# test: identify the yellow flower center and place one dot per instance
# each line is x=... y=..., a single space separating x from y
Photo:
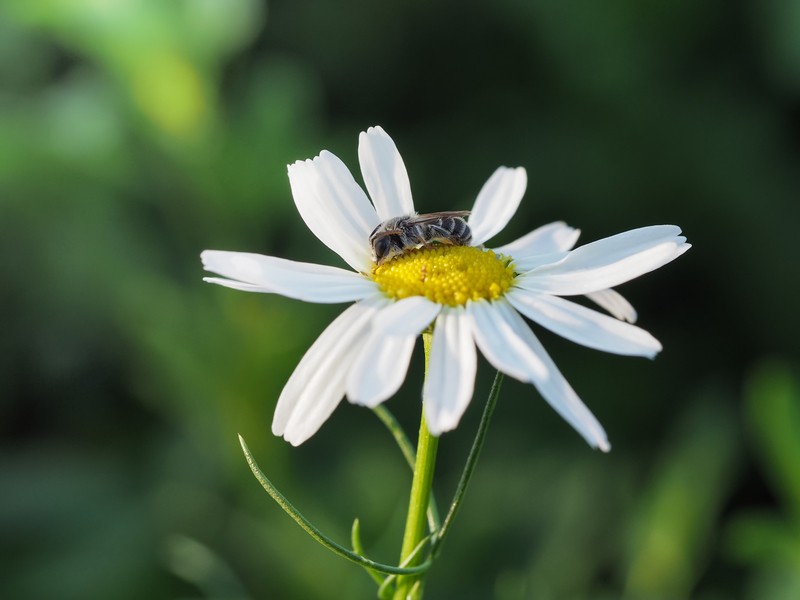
x=446 y=274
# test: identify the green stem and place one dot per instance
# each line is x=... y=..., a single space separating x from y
x=469 y=467
x=407 y=449
x=410 y=587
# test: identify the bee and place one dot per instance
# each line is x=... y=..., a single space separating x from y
x=395 y=236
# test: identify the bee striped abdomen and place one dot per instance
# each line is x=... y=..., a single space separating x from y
x=452 y=231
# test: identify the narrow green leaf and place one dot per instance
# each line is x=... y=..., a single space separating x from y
x=358 y=548
x=315 y=533
x=469 y=467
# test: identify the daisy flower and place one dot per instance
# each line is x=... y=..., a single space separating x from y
x=473 y=296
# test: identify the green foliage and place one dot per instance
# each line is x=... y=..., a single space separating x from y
x=673 y=525
x=134 y=134
x=766 y=540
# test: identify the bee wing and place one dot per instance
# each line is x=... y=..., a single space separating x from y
x=386 y=232
x=431 y=217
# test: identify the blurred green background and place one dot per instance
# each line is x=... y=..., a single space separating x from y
x=136 y=133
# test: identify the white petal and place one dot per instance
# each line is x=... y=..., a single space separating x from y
x=614 y=303
x=543 y=246
x=384 y=174
x=547 y=239
x=303 y=281
x=583 y=325
x=523 y=265
x=510 y=346
x=505 y=348
x=318 y=383
x=382 y=363
x=334 y=207
x=608 y=262
x=379 y=369
x=451 y=371
x=409 y=316
x=496 y=203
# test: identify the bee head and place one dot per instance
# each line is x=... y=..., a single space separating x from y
x=381 y=248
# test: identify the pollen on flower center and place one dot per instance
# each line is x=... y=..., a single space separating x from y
x=446 y=274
